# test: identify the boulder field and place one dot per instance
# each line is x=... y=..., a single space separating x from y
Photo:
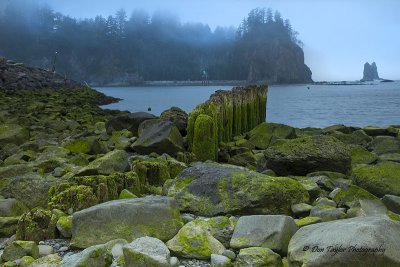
x=85 y=186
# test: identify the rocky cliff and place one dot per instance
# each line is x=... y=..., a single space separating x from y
x=370 y=72
x=278 y=62
x=17 y=76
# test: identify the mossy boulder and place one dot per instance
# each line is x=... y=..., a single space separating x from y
x=351 y=196
x=358 y=137
x=19 y=249
x=8 y=226
x=204 y=138
x=339 y=128
x=212 y=189
x=114 y=161
x=385 y=144
x=178 y=117
x=93 y=256
x=257 y=256
x=121 y=139
x=151 y=171
x=31 y=189
x=360 y=155
x=37 y=225
x=153 y=216
x=85 y=191
x=160 y=137
x=308 y=220
x=146 y=251
x=380 y=179
x=194 y=240
x=130 y=121
x=88 y=145
x=269 y=231
x=376 y=131
x=13 y=134
x=308 y=154
x=392 y=203
x=11 y=207
x=395 y=157
x=64 y=226
x=75 y=197
x=265 y=134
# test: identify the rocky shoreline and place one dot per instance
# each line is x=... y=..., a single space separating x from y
x=83 y=186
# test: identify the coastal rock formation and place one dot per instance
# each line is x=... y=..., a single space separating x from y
x=225 y=115
x=370 y=72
x=17 y=75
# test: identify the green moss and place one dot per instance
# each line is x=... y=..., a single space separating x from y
x=204 y=138
x=64 y=225
x=36 y=225
x=380 y=179
x=360 y=155
x=393 y=216
x=152 y=172
x=351 y=196
x=76 y=197
x=308 y=220
x=79 y=146
x=126 y=194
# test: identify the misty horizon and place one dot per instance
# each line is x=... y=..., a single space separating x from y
x=338 y=38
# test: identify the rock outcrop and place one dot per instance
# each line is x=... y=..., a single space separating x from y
x=17 y=76
x=370 y=72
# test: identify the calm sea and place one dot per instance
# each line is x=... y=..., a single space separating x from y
x=295 y=105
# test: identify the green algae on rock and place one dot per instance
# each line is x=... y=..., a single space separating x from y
x=212 y=189
x=308 y=154
x=263 y=135
x=380 y=179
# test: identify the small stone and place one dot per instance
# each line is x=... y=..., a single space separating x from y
x=229 y=253
x=63 y=249
x=45 y=250
x=174 y=262
x=220 y=261
x=301 y=209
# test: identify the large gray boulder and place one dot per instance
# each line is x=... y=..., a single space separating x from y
x=269 y=231
x=129 y=219
x=178 y=117
x=93 y=256
x=146 y=251
x=357 y=242
x=112 y=162
x=212 y=189
x=130 y=121
x=159 y=136
x=307 y=154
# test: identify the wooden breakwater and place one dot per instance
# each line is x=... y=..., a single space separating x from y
x=224 y=115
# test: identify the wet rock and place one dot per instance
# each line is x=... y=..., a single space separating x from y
x=153 y=216
x=212 y=189
x=130 y=121
x=308 y=154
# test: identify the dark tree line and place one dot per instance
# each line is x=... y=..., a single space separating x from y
x=137 y=47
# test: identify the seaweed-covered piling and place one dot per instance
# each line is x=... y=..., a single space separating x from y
x=229 y=113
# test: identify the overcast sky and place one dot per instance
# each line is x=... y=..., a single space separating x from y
x=339 y=36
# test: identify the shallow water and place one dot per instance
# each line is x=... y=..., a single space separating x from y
x=295 y=105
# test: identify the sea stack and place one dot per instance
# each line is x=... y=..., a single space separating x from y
x=370 y=72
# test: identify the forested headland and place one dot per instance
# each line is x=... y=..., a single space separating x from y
x=129 y=48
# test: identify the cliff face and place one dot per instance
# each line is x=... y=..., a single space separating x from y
x=17 y=76
x=278 y=62
x=370 y=72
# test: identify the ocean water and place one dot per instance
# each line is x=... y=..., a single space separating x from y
x=295 y=105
